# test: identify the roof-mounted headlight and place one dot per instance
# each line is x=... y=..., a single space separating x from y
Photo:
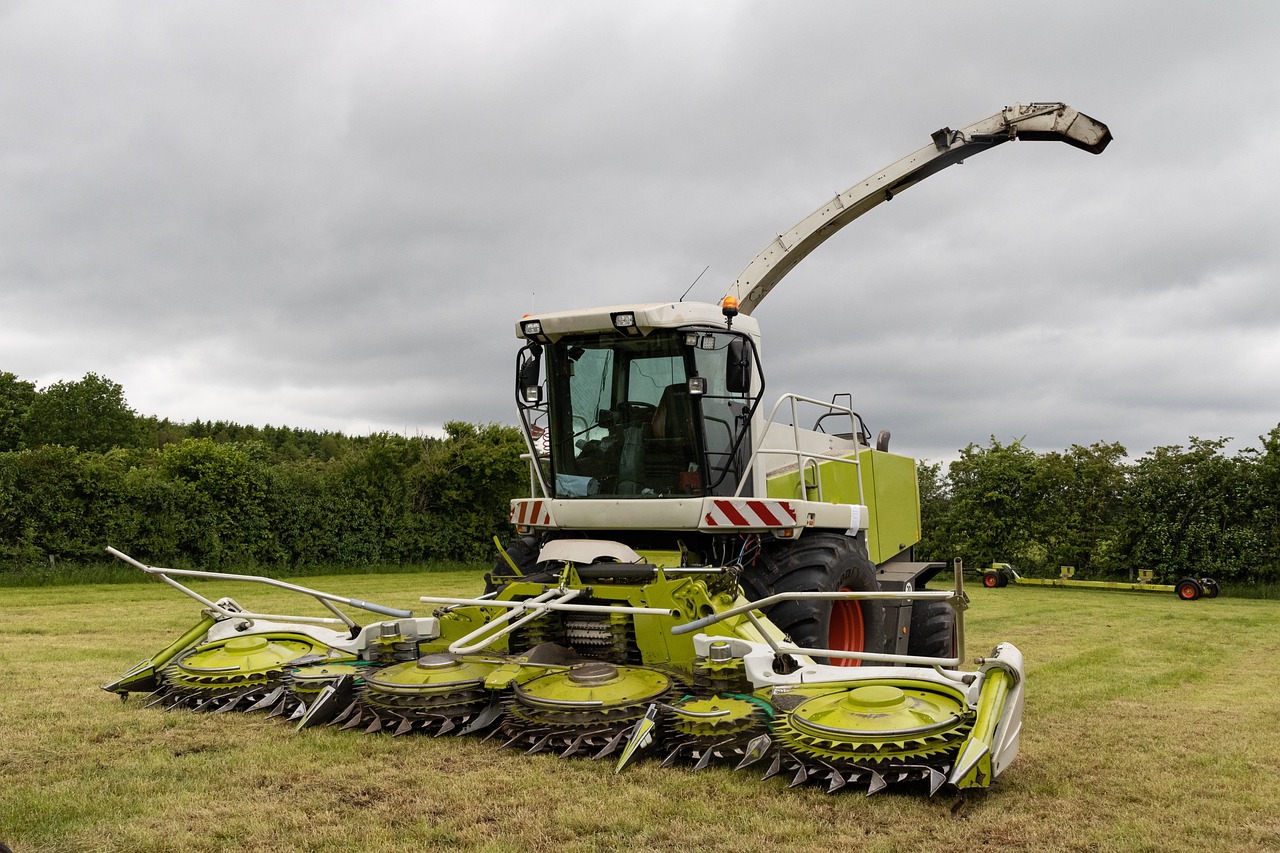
x=531 y=330
x=625 y=322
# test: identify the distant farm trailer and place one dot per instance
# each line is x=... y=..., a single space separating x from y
x=1187 y=589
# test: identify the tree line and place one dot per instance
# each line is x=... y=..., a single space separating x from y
x=79 y=469
x=1177 y=510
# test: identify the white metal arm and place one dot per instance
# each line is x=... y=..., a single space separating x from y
x=215 y=608
x=1038 y=121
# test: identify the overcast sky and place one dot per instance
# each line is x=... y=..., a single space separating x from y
x=330 y=215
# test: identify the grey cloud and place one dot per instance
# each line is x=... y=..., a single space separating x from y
x=331 y=215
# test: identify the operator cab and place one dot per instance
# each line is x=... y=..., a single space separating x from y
x=651 y=413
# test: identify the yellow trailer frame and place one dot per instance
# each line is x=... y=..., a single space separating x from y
x=1187 y=589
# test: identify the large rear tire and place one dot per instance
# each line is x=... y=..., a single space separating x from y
x=820 y=562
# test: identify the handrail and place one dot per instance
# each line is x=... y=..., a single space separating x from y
x=802 y=457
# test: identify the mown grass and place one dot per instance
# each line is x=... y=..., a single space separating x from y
x=1149 y=725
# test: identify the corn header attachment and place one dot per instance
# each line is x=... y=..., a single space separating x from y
x=595 y=656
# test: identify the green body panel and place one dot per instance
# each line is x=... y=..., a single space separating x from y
x=890 y=492
x=973 y=766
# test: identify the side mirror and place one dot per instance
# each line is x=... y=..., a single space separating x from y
x=737 y=378
x=527 y=379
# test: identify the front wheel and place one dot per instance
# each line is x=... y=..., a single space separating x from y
x=1189 y=589
x=991 y=580
x=933 y=629
x=820 y=562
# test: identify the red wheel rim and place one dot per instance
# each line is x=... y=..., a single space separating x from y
x=1187 y=591
x=990 y=581
x=846 y=631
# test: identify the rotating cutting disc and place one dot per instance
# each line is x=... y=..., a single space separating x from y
x=438 y=693
x=876 y=722
x=436 y=673
x=595 y=686
x=588 y=708
x=232 y=674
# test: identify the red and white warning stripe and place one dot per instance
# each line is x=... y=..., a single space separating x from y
x=750 y=513
x=529 y=513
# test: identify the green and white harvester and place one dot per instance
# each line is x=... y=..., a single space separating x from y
x=694 y=578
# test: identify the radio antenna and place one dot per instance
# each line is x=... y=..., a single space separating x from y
x=695 y=281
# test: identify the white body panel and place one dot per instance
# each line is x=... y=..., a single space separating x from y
x=711 y=514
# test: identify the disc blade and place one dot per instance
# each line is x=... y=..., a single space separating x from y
x=267 y=701
x=228 y=706
x=326 y=706
x=774 y=768
x=486 y=718
x=802 y=776
x=757 y=749
x=346 y=712
x=642 y=737
x=612 y=746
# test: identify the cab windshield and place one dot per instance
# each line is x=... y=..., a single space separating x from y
x=625 y=419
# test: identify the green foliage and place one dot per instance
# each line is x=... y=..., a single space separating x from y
x=1078 y=505
x=470 y=478
x=16 y=397
x=80 y=470
x=1192 y=511
x=935 y=506
x=1178 y=511
x=992 y=499
x=90 y=414
x=199 y=503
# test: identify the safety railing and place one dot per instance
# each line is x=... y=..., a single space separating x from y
x=805 y=460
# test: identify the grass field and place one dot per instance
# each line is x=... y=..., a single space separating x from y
x=1151 y=724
